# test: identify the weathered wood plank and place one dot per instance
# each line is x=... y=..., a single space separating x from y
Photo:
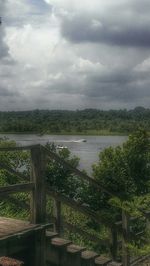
x=5 y=261
x=76 y=206
x=20 y=203
x=12 y=171
x=86 y=235
x=38 y=201
x=10 y=227
x=18 y=148
x=40 y=247
x=125 y=239
x=114 y=243
x=102 y=261
x=16 y=188
x=57 y=217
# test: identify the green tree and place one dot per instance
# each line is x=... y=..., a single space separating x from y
x=59 y=177
x=124 y=171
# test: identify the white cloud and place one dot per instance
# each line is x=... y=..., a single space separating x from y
x=144 y=66
x=87 y=67
x=84 y=5
x=32 y=45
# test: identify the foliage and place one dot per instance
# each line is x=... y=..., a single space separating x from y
x=136 y=250
x=13 y=206
x=88 y=121
x=18 y=160
x=123 y=171
x=137 y=207
x=59 y=177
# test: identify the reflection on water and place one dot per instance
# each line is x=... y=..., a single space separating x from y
x=87 y=151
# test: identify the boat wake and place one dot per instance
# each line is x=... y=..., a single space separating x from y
x=80 y=140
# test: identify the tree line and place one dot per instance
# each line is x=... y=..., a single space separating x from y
x=88 y=121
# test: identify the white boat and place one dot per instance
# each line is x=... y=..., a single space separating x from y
x=60 y=147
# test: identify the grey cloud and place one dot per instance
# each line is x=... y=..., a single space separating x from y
x=3 y=46
x=80 y=29
x=115 y=87
x=27 y=12
x=124 y=23
x=4 y=92
x=139 y=6
x=118 y=85
x=4 y=50
x=114 y=92
x=125 y=87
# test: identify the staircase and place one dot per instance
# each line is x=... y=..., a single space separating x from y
x=61 y=252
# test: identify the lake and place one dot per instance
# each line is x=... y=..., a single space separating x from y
x=87 y=151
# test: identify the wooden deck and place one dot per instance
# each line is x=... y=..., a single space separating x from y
x=9 y=227
x=22 y=240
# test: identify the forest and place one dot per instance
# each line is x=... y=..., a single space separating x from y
x=88 y=121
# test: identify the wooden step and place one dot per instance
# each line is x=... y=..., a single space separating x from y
x=60 y=242
x=56 y=251
x=73 y=249
x=102 y=261
x=88 y=258
x=113 y=263
x=5 y=261
x=73 y=256
x=49 y=236
x=62 y=252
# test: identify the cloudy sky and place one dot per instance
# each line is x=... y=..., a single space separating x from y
x=74 y=54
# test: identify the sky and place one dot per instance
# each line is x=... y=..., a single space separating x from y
x=74 y=54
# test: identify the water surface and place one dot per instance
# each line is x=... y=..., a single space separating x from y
x=87 y=151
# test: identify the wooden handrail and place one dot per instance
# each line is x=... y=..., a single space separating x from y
x=21 y=203
x=77 y=206
x=16 y=188
x=92 y=181
x=12 y=171
x=18 y=148
x=87 y=235
x=57 y=158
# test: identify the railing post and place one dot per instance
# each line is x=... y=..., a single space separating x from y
x=57 y=216
x=114 y=242
x=38 y=201
x=125 y=239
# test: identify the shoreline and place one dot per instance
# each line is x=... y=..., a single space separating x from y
x=102 y=133
x=90 y=133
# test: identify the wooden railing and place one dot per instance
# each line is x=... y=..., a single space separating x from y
x=35 y=185
x=39 y=189
x=60 y=199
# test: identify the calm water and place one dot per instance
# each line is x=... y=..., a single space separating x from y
x=87 y=151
